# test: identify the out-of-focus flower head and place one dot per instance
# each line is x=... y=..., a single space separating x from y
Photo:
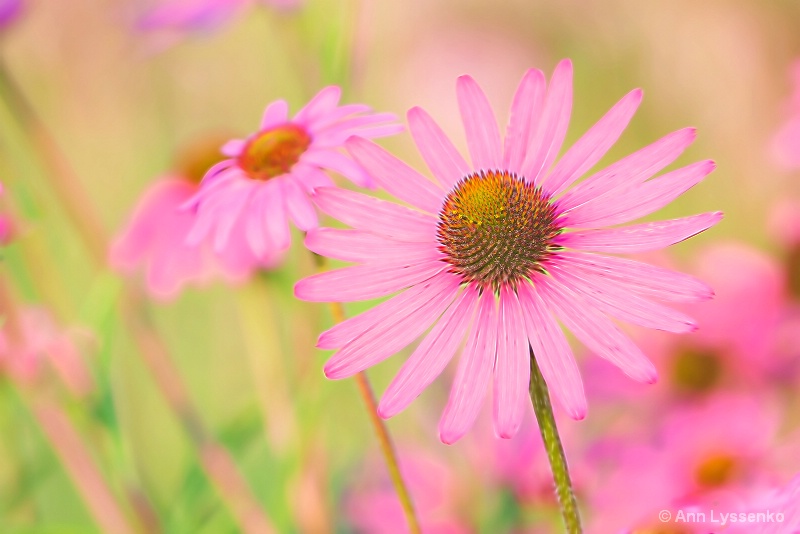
x=155 y=236
x=774 y=511
x=249 y=198
x=34 y=342
x=372 y=506
x=496 y=250
x=786 y=141
x=6 y=225
x=10 y=10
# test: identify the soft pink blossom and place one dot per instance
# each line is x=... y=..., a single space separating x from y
x=267 y=179
x=483 y=254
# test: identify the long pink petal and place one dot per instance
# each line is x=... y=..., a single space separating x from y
x=480 y=125
x=430 y=358
x=254 y=228
x=473 y=375
x=636 y=201
x=553 y=353
x=442 y=158
x=361 y=246
x=553 y=125
x=395 y=176
x=277 y=113
x=649 y=280
x=640 y=237
x=595 y=330
x=395 y=333
x=633 y=169
x=299 y=206
x=338 y=162
x=617 y=302
x=526 y=108
x=398 y=306
x=237 y=198
x=322 y=103
x=512 y=371
x=371 y=214
x=365 y=282
x=594 y=144
x=274 y=215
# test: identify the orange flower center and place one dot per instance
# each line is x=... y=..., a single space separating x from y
x=716 y=470
x=274 y=152
x=495 y=228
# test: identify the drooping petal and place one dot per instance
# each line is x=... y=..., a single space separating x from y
x=442 y=158
x=371 y=214
x=430 y=358
x=595 y=330
x=277 y=113
x=361 y=246
x=633 y=169
x=552 y=353
x=526 y=110
x=274 y=215
x=639 y=237
x=553 y=125
x=615 y=301
x=395 y=176
x=398 y=306
x=299 y=206
x=628 y=204
x=594 y=144
x=388 y=337
x=649 y=280
x=236 y=200
x=473 y=375
x=512 y=369
x=323 y=102
x=365 y=282
x=480 y=125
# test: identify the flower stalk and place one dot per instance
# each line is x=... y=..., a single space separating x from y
x=543 y=409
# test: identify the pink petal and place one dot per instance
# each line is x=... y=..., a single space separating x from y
x=368 y=213
x=439 y=154
x=512 y=371
x=640 y=237
x=614 y=300
x=357 y=245
x=395 y=176
x=633 y=169
x=553 y=125
x=299 y=206
x=277 y=113
x=323 y=102
x=274 y=214
x=237 y=197
x=255 y=230
x=309 y=177
x=595 y=330
x=628 y=204
x=480 y=125
x=594 y=144
x=526 y=110
x=335 y=161
x=430 y=358
x=386 y=312
x=552 y=353
x=365 y=282
x=473 y=375
x=338 y=114
x=233 y=148
x=644 y=278
x=393 y=334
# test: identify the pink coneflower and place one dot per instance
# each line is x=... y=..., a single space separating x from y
x=155 y=237
x=269 y=175
x=498 y=250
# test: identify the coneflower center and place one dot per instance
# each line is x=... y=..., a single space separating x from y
x=274 y=152
x=495 y=228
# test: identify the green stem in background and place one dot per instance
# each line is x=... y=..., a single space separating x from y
x=215 y=459
x=555 y=452
x=384 y=439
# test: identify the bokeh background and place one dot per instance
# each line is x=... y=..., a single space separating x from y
x=118 y=107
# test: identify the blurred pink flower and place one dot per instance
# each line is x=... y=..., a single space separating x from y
x=372 y=506
x=270 y=174
x=10 y=10
x=786 y=141
x=37 y=343
x=201 y=15
x=496 y=229
x=6 y=224
x=776 y=511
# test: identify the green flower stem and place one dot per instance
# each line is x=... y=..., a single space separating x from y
x=555 y=452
